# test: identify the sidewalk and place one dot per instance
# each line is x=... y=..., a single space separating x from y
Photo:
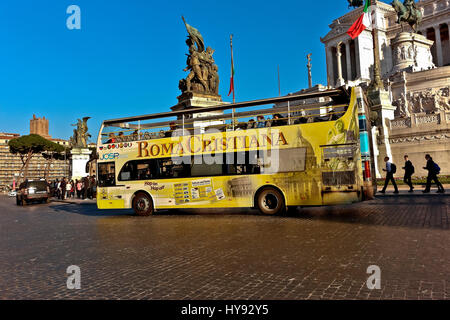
x=403 y=191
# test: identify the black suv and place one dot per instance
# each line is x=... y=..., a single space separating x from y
x=32 y=190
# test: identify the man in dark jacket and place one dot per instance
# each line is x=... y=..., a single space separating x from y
x=85 y=188
x=63 y=188
x=278 y=121
x=432 y=175
x=389 y=176
x=409 y=170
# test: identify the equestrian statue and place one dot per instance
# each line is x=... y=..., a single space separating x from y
x=408 y=12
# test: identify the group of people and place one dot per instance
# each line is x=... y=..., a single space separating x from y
x=175 y=131
x=261 y=122
x=85 y=188
x=431 y=166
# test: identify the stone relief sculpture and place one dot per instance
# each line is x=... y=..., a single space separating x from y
x=398 y=54
x=403 y=53
x=203 y=74
x=411 y=52
x=403 y=110
x=428 y=101
x=80 y=134
x=442 y=99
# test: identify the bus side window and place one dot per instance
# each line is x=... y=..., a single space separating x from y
x=125 y=173
x=138 y=170
x=106 y=174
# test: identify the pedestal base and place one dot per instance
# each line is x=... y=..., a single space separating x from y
x=192 y=100
x=80 y=156
x=412 y=52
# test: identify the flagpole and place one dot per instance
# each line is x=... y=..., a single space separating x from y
x=376 y=84
x=279 y=83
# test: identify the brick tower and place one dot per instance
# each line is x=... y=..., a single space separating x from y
x=39 y=126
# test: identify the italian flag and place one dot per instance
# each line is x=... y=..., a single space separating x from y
x=362 y=23
x=232 y=78
x=232 y=69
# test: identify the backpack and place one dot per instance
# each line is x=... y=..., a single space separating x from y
x=393 y=168
x=436 y=168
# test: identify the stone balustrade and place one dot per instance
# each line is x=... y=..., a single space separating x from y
x=420 y=119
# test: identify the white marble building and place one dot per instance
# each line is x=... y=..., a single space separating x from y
x=351 y=61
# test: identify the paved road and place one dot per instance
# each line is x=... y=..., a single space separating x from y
x=315 y=253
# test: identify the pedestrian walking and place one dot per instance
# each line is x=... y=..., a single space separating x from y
x=85 y=188
x=68 y=189
x=433 y=171
x=79 y=188
x=94 y=186
x=63 y=188
x=58 y=189
x=72 y=191
x=390 y=170
x=409 y=171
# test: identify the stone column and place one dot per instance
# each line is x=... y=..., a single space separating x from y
x=437 y=33
x=340 y=81
x=349 y=61
x=357 y=59
x=330 y=66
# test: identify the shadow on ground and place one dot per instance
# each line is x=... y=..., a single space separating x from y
x=405 y=211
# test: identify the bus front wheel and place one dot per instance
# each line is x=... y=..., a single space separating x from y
x=142 y=204
x=270 y=201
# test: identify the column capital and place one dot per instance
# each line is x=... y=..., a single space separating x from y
x=338 y=49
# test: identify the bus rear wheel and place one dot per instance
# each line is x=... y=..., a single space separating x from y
x=270 y=201
x=142 y=204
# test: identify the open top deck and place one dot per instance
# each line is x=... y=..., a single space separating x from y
x=291 y=109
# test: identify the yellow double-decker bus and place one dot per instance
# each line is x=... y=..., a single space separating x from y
x=301 y=150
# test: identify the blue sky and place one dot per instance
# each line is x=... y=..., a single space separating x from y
x=128 y=56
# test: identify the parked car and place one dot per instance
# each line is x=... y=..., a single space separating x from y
x=12 y=193
x=33 y=190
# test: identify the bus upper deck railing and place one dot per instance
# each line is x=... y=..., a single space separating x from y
x=186 y=119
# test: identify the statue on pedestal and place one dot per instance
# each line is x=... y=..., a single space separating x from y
x=408 y=12
x=80 y=134
x=203 y=74
x=355 y=3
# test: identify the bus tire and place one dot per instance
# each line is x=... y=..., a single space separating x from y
x=270 y=201
x=142 y=204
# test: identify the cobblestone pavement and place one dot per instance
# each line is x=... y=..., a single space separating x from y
x=315 y=253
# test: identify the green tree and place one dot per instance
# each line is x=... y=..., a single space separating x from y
x=53 y=151
x=26 y=147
